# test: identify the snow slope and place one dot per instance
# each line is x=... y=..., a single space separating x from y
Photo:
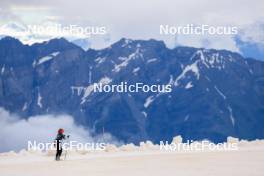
x=143 y=161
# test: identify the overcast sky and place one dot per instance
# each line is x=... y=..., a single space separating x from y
x=140 y=19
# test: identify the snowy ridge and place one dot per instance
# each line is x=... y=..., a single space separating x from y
x=126 y=60
x=231 y=115
x=189 y=68
x=100 y=60
x=126 y=42
x=213 y=59
x=220 y=93
x=145 y=114
x=148 y=101
x=135 y=70
x=3 y=70
x=189 y=85
x=24 y=106
x=46 y=58
x=39 y=100
x=88 y=90
x=152 y=60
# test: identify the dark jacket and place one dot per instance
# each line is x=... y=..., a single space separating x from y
x=58 y=141
x=60 y=137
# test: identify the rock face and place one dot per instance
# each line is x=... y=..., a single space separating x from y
x=215 y=93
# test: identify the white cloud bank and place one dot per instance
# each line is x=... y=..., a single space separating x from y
x=253 y=34
x=139 y=19
x=15 y=132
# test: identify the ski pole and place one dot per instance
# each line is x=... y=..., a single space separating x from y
x=66 y=149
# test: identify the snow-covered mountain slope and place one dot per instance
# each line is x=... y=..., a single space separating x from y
x=215 y=93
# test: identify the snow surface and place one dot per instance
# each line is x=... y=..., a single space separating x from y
x=100 y=60
x=39 y=100
x=55 y=54
x=145 y=114
x=152 y=60
x=3 y=70
x=24 y=107
x=126 y=42
x=44 y=59
x=148 y=101
x=189 y=85
x=146 y=159
x=212 y=60
x=186 y=117
x=193 y=68
x=220 y=93
x=90 y=75
x=126 y=60
x=231 y=115
x=135 y=70
x=47 y=58
x=90 y=88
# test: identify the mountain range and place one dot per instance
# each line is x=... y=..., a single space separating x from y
x=215 y=93
x=26 y=36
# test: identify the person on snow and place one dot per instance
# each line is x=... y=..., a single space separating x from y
x=58 y=142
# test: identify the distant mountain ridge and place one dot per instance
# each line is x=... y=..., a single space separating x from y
x=215 y=93
x=25 y=34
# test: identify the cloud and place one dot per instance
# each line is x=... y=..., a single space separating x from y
x=16 y=132
x=253 y=33
x=6 y=15
x=250 y=40
x=139 y=19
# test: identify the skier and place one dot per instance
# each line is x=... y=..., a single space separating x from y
x=58 y=143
